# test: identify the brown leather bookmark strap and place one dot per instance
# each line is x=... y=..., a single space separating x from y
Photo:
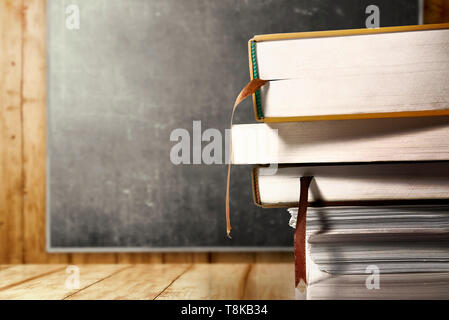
x=300 y=234
x=248 y=90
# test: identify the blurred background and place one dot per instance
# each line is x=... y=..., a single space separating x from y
x=109 y=94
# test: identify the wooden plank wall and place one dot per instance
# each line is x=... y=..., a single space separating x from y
x=23 y=149
x=436 y=11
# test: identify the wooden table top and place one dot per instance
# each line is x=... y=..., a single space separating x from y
x=149 y=281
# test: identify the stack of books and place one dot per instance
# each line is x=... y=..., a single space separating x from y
x=366 y=114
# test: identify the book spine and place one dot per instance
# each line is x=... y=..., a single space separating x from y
x=255 y=75
x=255 y=186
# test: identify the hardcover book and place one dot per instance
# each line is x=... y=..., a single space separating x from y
x=351 y=74
x=343 y=141
x=350 y=183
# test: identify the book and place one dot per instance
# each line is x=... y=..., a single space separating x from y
x=404 y=244
x=367 y=140
x=356 y=127
x=351 y=74
x=399 y=286
x=351 y=183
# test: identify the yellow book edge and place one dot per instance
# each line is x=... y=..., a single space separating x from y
x=340 y=33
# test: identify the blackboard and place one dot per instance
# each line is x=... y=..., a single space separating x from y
x=130 y=73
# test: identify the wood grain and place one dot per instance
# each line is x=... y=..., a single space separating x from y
x=83 y=258
x=154 y=281
x=34 y=133
x=137 y=283
x=274 y=257
x=53 y=285
x=135 y=258
x=270 y=281
x=252 y=257
x=5 y=266
x=436 y=11
x=11 y=220
x=10 y=276
x=206 y=281
x=186 y=257
x=233 y=257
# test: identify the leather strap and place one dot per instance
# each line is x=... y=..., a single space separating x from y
x=300 y=235
x=247 y=91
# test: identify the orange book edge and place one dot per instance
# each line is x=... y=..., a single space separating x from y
x=353 y=202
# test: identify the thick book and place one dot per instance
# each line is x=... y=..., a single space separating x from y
x=384 y=183
x=406 y=247
x=367 y=140
x=351 y=74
